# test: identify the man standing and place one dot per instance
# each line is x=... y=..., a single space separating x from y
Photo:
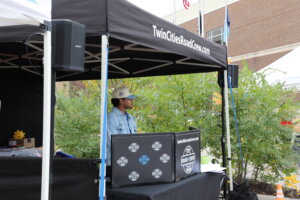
x=119 y=121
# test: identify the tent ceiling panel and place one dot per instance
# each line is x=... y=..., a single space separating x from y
x=125 y=60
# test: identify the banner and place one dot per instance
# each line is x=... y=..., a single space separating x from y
x=226 y=26
x=186 y=4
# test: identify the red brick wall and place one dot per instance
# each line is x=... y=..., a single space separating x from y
x=256 y=25
x=263 y=24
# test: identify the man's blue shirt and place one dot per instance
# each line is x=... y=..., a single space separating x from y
x=118 y=123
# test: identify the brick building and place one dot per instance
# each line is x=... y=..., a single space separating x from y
x=261 y=30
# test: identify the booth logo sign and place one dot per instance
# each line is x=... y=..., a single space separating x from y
x=134 y=176
x=156 y=146
x=157 y=173
x=122 y=161
x=188 y=159
x=164 y=158
x=133 y=147
x=144 y=159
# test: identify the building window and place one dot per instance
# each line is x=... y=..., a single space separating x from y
x=216 y=35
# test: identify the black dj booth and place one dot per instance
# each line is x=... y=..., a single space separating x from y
x=154 y=158
x=160 y=166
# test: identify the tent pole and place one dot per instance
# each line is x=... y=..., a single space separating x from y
x=227 y=128
x=103 y=118
x=46 y=116
x=223 y=138
x=52 y=151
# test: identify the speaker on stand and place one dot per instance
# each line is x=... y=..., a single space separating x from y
x=68 y=45
x=233 y=72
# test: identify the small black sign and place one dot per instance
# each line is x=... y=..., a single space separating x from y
x=187 y=154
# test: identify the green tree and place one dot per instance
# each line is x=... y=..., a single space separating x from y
x=265 y=142
x=77 y=124
x=173 y=103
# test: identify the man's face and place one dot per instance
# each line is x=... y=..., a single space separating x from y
x=127 y=103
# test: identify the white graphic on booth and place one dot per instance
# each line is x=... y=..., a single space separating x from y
x=188 y=159
x=156 y=146
x=134 y=176
x=133 y=147
x=122 y=161
x=164 y=158
x=157 y=173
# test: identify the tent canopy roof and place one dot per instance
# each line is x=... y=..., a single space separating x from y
x=285 y=70
x=24 y=12
x=140 y=43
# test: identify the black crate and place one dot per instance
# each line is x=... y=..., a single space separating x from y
x=142 y=159
x=187 y=154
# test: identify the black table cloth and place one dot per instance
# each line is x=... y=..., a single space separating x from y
x=73 y=179
x=205 y=186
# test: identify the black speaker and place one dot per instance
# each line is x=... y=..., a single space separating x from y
x=233 y=72
x=68 y=45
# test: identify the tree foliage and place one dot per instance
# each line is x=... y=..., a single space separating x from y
x=77 y=124
x=173 y=103
x=265 y=142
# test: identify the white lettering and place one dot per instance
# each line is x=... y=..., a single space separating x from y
x=154 y=29
x=187 y=140
x=178 y=39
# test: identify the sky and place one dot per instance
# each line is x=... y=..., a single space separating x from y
x=160 y=8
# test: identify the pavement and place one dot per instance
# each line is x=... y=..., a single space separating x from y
x=206 y=159
x=267 y=197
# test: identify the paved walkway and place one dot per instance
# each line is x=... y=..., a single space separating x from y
x=267 y=197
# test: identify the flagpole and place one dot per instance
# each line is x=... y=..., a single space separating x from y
x=174 y=11
x=226 y=103
x=225 y=21
x=199 y=19
x=202 y=19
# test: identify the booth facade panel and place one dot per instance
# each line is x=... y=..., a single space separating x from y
x=142 y=158
x=187 y=154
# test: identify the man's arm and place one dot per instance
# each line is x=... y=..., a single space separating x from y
x=111 y=129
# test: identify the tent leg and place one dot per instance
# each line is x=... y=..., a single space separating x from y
x=52 y=151
x=223 y=138
x=103 y=118
x=46 y=116
x=228 y=129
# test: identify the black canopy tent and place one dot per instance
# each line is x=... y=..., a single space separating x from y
x=140 y=44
